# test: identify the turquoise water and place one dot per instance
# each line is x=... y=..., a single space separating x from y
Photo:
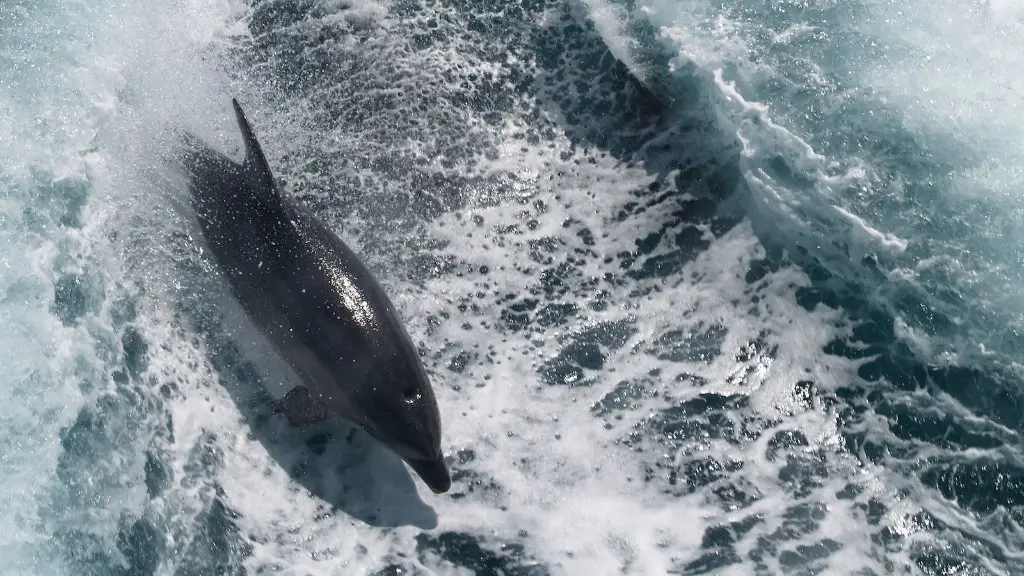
x=703 y=288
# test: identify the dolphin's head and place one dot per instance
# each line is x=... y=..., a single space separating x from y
x=400 y=410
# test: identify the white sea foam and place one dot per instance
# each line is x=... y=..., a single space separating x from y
x=565 y=488
x=67 y=68
x=888 y=240
x=610 y=20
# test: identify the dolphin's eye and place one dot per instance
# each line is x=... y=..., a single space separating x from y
x=410 y=393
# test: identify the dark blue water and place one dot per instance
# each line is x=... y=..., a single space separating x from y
x=703 y=288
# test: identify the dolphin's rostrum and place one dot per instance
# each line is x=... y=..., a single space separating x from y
x=319 y=306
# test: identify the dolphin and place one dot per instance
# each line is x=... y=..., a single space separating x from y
x=318 y=305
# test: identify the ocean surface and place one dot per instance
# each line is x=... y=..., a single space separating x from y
x=702 y=287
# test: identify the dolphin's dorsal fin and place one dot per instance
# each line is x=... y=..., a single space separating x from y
x=257 y=171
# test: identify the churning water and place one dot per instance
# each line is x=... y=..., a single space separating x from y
x=703 y=287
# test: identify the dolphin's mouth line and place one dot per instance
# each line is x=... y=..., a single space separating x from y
x=433 y=472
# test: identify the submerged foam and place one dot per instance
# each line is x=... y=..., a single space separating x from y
x=905 y=162
x=920 y=160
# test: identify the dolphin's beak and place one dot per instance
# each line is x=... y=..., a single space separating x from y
x=434 y=474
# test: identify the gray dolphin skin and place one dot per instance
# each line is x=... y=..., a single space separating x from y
x=318 y=305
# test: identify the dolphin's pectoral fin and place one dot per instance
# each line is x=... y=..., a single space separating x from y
x=257 y=171
x=300 y=408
